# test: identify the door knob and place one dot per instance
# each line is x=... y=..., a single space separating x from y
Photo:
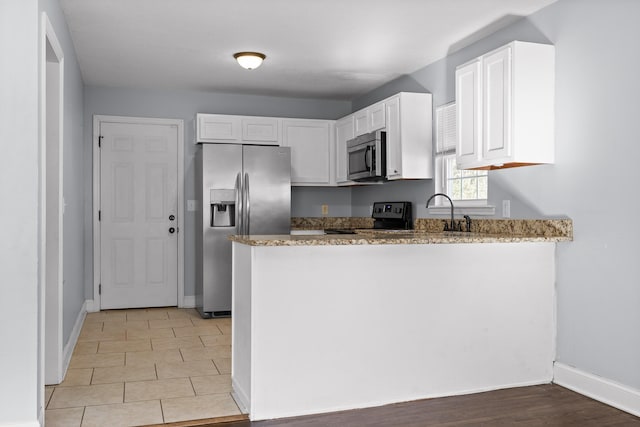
x=172 y=217
x=172 y=230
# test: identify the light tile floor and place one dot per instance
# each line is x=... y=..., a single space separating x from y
x=145 y=366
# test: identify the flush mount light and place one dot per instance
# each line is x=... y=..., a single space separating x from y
x=249 y=60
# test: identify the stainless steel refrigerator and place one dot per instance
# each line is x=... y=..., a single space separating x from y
x=241 y=189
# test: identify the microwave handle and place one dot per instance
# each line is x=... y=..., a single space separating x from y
x=366 y=152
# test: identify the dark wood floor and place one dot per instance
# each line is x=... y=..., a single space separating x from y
x=545 y=405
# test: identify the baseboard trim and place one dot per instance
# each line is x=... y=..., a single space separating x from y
x=602 y=389
x=189 y=301
x=73 y=338
x=35 y=423
x=241 y=398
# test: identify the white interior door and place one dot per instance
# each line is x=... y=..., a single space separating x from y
x=138 y=215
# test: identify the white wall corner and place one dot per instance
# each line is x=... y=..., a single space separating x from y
x=91 y=307
x=189 y=301
x=599 y=388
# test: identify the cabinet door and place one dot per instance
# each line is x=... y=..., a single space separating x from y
x=496 y=83
x=376 y=116
x=263 y=130
x=217 y=128
x=394 y=147
x=345 y=129
x=361 y=122
x=310 y=143
x=469 y=113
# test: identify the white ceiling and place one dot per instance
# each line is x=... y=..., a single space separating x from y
x=334 y=49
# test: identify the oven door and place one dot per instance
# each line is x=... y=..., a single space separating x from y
x=361 y=161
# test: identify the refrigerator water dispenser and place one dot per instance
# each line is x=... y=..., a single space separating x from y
x=223 y=208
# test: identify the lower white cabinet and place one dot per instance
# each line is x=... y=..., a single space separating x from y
x=312 y=151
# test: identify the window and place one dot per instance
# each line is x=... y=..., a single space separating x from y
x=467 y=188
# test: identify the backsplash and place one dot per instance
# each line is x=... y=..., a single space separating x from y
x=320 y=223
x=519 y=227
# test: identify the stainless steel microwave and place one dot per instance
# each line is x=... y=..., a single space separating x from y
x=367 y=156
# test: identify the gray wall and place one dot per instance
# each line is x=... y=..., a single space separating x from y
x=308 y=201
x=597 y=110
x=596 y=121
x=74 y=169
x=184 y=105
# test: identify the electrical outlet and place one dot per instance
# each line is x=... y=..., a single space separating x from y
x=506 y=208
x=325 y=209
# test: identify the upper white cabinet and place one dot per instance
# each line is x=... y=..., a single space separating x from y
x=217 y=128
x=264 y=130
x=504 y=106
x=409 y=136
x=312 y=151
x=370 y=119
x=237 y=129
x=345 y=130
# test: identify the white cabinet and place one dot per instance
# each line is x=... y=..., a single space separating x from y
x=370 y=119
x=312 y=151
x=217 y=128
x=468 y=112
x=345 y=130
x=505 y=101
x=263 y=130
x=409 y=136
x=237 y=129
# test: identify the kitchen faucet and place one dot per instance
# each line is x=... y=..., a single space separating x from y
x=452 y=225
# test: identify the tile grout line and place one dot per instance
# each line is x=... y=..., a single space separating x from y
x=193 y=387
x=162 y=411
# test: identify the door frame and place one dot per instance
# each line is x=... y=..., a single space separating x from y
x=51 y=294
x=97 y=121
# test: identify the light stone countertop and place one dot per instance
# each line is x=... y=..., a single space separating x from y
x=381 y=237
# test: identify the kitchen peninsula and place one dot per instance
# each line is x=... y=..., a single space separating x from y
x=331 y=322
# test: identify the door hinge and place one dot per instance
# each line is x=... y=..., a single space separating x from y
x=100 y=289
x=100 y=141
x=99 y=215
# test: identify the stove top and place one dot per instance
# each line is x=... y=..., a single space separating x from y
x=392 y=215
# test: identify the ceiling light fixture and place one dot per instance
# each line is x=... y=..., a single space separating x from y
x=249 y=60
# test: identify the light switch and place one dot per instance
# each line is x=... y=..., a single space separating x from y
x=192 y=205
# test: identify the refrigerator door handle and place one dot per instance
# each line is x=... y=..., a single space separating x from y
x=247 y=205
x=239 y=208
